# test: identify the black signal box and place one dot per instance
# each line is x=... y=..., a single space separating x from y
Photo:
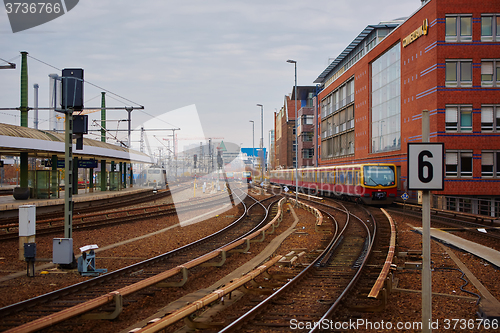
x=72 y=89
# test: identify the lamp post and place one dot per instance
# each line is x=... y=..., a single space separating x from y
x=262 y=145
x=253 y=142
x=296 y=140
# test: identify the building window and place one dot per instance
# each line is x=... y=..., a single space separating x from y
x=307 y=137
x=459 y=28
x=458 y=118
x=490 y=118
x=308 y=120
x=308 y=153
x=490 y=164
x=458 y=164
x=459 y=73
x=386 y=101
x=490 y=73
x=490 y=28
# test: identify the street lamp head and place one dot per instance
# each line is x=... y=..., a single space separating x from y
x=291 y=61
x=260 y=105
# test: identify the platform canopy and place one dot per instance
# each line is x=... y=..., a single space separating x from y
x=43 y=144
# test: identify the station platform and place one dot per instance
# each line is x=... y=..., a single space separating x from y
x=489 y=306
x=490 y=255
x=7 y=202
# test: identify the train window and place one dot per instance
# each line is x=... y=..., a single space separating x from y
x=341 y=179
x=378 y=175
x=349 y=178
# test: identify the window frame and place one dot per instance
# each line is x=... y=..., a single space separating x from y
x=495 y=28
x=459 y=127
x=459 y=25
x=495 y=124
x=495 y=76
x=495 y=167
x=458 y=82
x=460 y=156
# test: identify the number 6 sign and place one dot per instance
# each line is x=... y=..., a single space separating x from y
x=426 y=166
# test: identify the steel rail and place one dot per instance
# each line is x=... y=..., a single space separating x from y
x=235 y=325
x=99 y=301
x=356 y=277
x=79 y=222
x=374 y=292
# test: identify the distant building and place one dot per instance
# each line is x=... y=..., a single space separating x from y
x=284 y=129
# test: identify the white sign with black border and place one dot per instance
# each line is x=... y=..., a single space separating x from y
x=426 y=166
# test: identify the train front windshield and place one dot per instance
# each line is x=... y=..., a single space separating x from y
x=376 y=175
x=154 y=171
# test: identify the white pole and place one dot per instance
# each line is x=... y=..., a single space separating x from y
x=426 y=242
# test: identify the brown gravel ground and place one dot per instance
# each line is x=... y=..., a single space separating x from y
x=405 y=308
x=402 y=307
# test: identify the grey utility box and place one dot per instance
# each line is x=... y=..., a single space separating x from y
x=62 y=251
x=27 y=220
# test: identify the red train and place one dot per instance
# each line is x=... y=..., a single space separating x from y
x=372 y=184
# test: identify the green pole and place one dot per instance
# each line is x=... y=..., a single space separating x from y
x=104 y=180
x=120 y=183
x=68 y=175
x=55 y=180
x=103 y=116
x=75 y=175
x=91 y=180
x=23 y=181
x=112 y=177
x=131 y=176
x=124 y=174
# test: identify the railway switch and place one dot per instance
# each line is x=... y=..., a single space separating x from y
x=86 y=263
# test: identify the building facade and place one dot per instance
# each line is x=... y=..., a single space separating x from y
x=444 y=58
x=284 y=130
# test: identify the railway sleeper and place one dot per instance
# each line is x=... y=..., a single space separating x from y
x=118 y=301
x=382 y=298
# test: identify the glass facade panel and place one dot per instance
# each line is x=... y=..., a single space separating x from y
x=386 y=101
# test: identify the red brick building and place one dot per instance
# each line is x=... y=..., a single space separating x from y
x=284 y=130
x=444 y=58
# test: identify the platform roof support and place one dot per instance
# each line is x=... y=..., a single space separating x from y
x=24 y=118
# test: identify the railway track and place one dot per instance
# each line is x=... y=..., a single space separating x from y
x=316 y=291
x=128 y=282
x=83 y=221
x=84 y=207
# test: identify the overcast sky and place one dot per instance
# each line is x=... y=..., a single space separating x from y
x=222 y=56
